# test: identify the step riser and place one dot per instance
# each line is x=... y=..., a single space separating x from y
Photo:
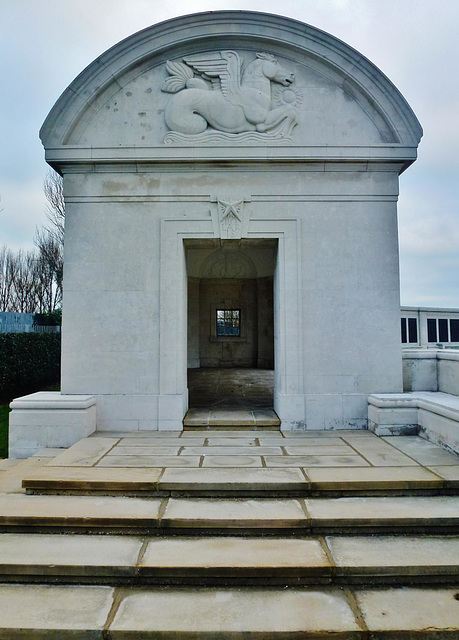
x=244 y=493
x=359 y=529
x=181 y=578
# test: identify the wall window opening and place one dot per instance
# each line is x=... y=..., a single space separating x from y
x=228 y=322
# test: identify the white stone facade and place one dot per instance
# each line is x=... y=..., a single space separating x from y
x=298 y=147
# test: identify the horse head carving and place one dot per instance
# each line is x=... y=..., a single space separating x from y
x=212 y=90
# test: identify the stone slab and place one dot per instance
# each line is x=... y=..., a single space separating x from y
x=144 y=450
x=223 y=433
x=149 y=442
x=230 y=451
x=232 y=461
x=230 y=514
x=78 y=511
x=372 y=478
x=11 y=479
x=93 y=478
x=397 y=555
x=423 y=452
x=149 y=461
x=235 y=613
x=235 y=556
x=66 y=555
x=294 y=449
x=448 y=473
x=228 y=417
x=408 y=613
x=231 y=442
x=315 y=461
x=84 y=453
x=147 y=435
x=384 y=511
x=380 y=454
x=49 y=452
x=232 y=480
x=335 y=433
x=7 y=463
x=38 y=611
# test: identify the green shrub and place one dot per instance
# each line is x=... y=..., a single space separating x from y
x=28 y=362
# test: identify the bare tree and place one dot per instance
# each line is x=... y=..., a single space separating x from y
x=6 y=278
x=50 y=243
x=53 y=188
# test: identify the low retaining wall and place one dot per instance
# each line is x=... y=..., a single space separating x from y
x=432 y=415
x=431 y=370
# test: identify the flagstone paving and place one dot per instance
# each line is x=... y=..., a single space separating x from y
x=334 y=461
x=223 y=545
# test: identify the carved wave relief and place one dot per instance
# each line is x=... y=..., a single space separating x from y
x=216 y=101
x=218 y=138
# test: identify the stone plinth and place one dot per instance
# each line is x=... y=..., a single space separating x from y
x=49 y=419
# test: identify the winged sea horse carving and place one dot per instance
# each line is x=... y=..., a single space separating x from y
x=225 y=97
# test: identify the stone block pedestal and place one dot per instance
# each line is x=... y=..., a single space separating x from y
x=49 y=419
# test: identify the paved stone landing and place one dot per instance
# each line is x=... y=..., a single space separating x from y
x=253 y=463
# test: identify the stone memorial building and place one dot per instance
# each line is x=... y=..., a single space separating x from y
x=231 y=184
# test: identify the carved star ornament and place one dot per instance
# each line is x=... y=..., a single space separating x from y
x=231 y=209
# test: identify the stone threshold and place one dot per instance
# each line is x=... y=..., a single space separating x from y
x=231 y=418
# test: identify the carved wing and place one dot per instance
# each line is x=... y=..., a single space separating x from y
x=224 y=65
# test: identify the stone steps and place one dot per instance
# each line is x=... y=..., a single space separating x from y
x=95 y=612
x=364 y=551
x=178 y=516
x=263 y=561
x=240 y=482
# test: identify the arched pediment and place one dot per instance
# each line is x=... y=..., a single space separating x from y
x=138 y=100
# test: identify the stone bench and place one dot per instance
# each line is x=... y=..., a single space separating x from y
x=432 y=415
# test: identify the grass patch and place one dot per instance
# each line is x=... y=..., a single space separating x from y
x=4 y=412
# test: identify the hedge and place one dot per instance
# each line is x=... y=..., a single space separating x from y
x=28 y=362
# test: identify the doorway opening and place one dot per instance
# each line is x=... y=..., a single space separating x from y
x=230 y=358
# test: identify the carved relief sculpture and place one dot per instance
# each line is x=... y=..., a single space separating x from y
x=214 y=97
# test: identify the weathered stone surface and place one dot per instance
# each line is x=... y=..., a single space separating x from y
x=232 y=461
x=422 y=451
x=231 y=451
x=78 y=511
x=149 y=461
x=232 y=479
x=449 y=473
x=144 y=450
x=244 y=556
x=235 y=613
x=410 y=613
x=84 y=453
x=11 y=479
x=228 y=514
x=231 y=441
x=61 y=554
x=37 y=611
x=294 y=449
x=315 y=461
x=93 y=478
x=372 y=478
x=379 y=453
x=398 y=555
x=387 y=511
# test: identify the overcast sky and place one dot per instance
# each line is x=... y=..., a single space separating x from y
x=44 y=44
